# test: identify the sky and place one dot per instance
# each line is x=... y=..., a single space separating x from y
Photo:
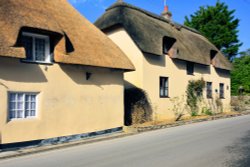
x=93 y=9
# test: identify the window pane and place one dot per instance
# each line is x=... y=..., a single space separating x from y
x=40 y=49
x=27 y=98
x=166 y=92
x=12 y=105
x=19 y=97
x=33 y=105
x=33 y=98
x=12 y=97
x=12 y=114
x=32 y=113
x=19 y=114
x=27 y=43
x=27 y=105
x=20 y=105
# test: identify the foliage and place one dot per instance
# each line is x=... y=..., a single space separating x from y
x=207 y=111
x=194 y=93
x=238 y=103
x=218 y=24
x=240 y=75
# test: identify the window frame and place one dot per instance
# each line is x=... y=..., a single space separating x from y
x=190 y=66
x=222 y=91
x=165 y=87
x=209 y=91
x=48 y=55
x=24 y=109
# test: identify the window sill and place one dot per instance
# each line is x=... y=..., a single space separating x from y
x=23 y=119
x=164 y=97
x=37 y=62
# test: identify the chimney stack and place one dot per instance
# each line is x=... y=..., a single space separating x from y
x=166 y=13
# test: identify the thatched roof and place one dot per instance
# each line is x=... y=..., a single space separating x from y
x=76 y=40
x=148 y=30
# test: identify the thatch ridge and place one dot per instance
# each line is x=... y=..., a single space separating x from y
x=124 y=4
x=89 y=45
x=148 y=30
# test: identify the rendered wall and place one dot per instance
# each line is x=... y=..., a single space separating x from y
x=154 y=66
x=68 y=104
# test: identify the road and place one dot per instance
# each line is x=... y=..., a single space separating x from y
x=208 y=144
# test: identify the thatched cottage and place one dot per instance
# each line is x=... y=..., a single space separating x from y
x=167 y=56
x=59 y=74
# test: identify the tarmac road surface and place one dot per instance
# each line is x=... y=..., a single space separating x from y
x=217 y=143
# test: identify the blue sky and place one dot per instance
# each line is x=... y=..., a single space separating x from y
x=92 y=9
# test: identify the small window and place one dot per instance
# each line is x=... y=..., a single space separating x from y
x=37 y=47
x=221 y=90
x=190 y=68
x=22 y=105
x=209 y=90
x=164 y=87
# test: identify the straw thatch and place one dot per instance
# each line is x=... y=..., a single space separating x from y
x=75 y=40
x=148 y=30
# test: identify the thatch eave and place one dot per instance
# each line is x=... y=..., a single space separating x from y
x=89 y=46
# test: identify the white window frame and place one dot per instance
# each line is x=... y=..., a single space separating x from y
x=164 y=85
x=24 y=109
x=47 y=47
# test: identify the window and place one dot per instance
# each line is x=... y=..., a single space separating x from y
x=190 y=68
x=163 y=87
x=209 y=90
x=221 y=90
x=22 y=105
x=37 y=47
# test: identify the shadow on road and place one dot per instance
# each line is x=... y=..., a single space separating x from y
x=240 y=152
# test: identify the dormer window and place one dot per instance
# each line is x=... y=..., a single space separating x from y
x=167 y=44
x=37 y=47
x=212 y=55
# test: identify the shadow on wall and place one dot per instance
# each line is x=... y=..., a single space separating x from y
x=138 y=108
x=180 y=64
x=202 y=69
x=14 y=70
x=155 y=59
x=84 y=75
x=198 y=68
x=223 y=73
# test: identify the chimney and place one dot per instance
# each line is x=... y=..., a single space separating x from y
x=166 y=13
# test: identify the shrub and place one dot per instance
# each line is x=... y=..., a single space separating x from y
x=207 y=111
x=137 y=106
x=194 y=93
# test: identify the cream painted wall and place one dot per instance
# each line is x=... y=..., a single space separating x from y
x=149 y=68
x=68 y=104
x=124 y=41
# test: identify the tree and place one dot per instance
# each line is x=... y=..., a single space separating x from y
x=240 y=75
x=218 y=24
